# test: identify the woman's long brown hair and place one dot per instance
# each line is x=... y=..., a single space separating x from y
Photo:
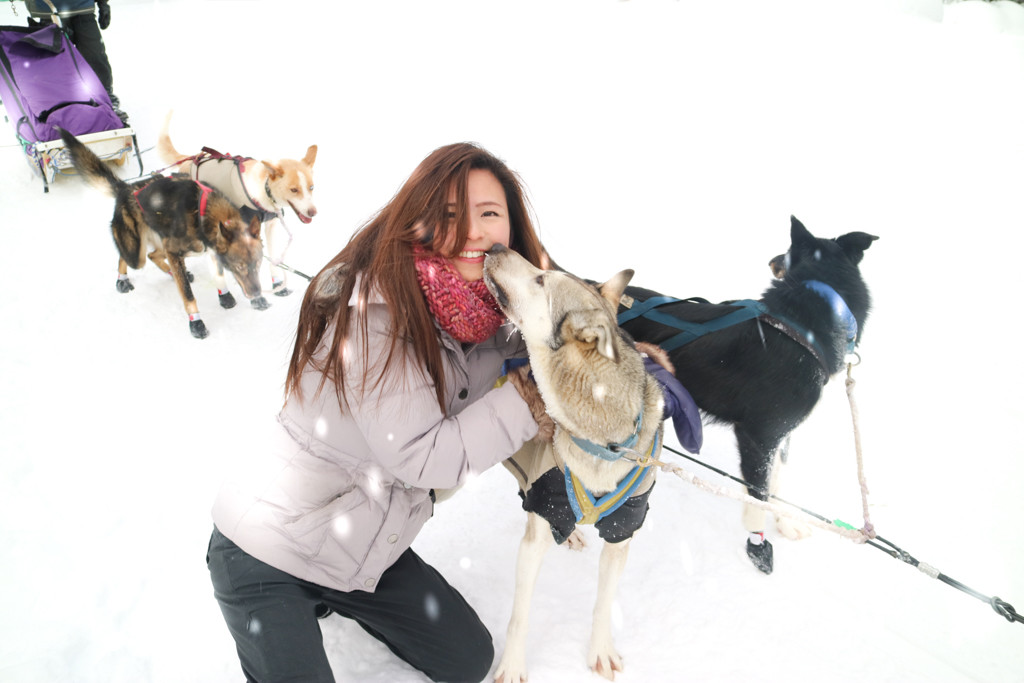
x=381 y=252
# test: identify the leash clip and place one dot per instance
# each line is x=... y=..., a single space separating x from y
x=624 y=452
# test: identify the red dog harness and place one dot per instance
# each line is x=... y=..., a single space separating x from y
x=204 y=190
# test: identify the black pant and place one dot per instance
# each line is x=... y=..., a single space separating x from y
x=85 y=33
x=414 y=611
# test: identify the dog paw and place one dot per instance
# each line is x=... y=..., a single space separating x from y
x=227 y=300
x=508 y=672
x=125 y=286
x=260 y=303
x=605 y=664
x=761 y=555
x=792 y=529
x=198 y=329
x=576 y=541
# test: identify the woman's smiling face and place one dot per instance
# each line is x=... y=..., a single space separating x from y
x=489 y=224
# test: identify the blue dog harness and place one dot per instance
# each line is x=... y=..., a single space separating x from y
x=748 y=309
x=590 y=510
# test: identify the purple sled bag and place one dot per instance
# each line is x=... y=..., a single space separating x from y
x=45 y=83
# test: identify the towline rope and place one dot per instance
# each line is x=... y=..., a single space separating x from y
x=282 y=264
x=865 y=535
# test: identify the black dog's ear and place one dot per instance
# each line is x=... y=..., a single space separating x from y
x=854 y=244
x=797 y=232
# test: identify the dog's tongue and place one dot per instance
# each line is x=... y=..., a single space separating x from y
x=303 y=217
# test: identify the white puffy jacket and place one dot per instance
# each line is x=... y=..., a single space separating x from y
x=336 y=496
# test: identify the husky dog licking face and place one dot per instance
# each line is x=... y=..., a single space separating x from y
x=567 y=324
x=549 y=307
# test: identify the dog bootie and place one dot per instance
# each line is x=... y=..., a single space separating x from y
x=124 y=285
x=260 y=303
x=280 y=288
x=227 y=299
x=197 y=327
x=761 y=555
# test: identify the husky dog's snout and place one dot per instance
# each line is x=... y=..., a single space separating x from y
x=491 y=264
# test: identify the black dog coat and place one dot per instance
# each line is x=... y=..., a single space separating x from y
x=548 y=498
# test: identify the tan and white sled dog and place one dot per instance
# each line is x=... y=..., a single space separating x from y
x=608 y=415
x=258 y=188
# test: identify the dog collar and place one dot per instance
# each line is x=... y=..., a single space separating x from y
x=840 y=310
x=611 y=451
x=266 y=190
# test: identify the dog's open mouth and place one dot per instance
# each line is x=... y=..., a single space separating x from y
x=302 y=217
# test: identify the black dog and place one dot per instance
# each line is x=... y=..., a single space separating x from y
x=761 y=365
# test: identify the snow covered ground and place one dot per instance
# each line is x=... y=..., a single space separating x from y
x=675 y=138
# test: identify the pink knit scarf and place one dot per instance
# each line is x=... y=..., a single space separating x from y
x=465 y=310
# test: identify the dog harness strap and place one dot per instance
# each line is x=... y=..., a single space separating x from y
x=589 y=510
x=801 y=337
x=233 y=177
x=611 y=451
x=205 y=191
x=644 y=307
x=136 y=194
x=209 y=153
x=748 y=310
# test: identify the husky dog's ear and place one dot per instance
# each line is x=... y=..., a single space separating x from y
x=273 y=169
x=854 y=244
x=310 y=156
x=613 y=289
x=254 y=227
x=592 y=328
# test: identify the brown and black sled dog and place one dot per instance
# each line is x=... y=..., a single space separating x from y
x=169 y=219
